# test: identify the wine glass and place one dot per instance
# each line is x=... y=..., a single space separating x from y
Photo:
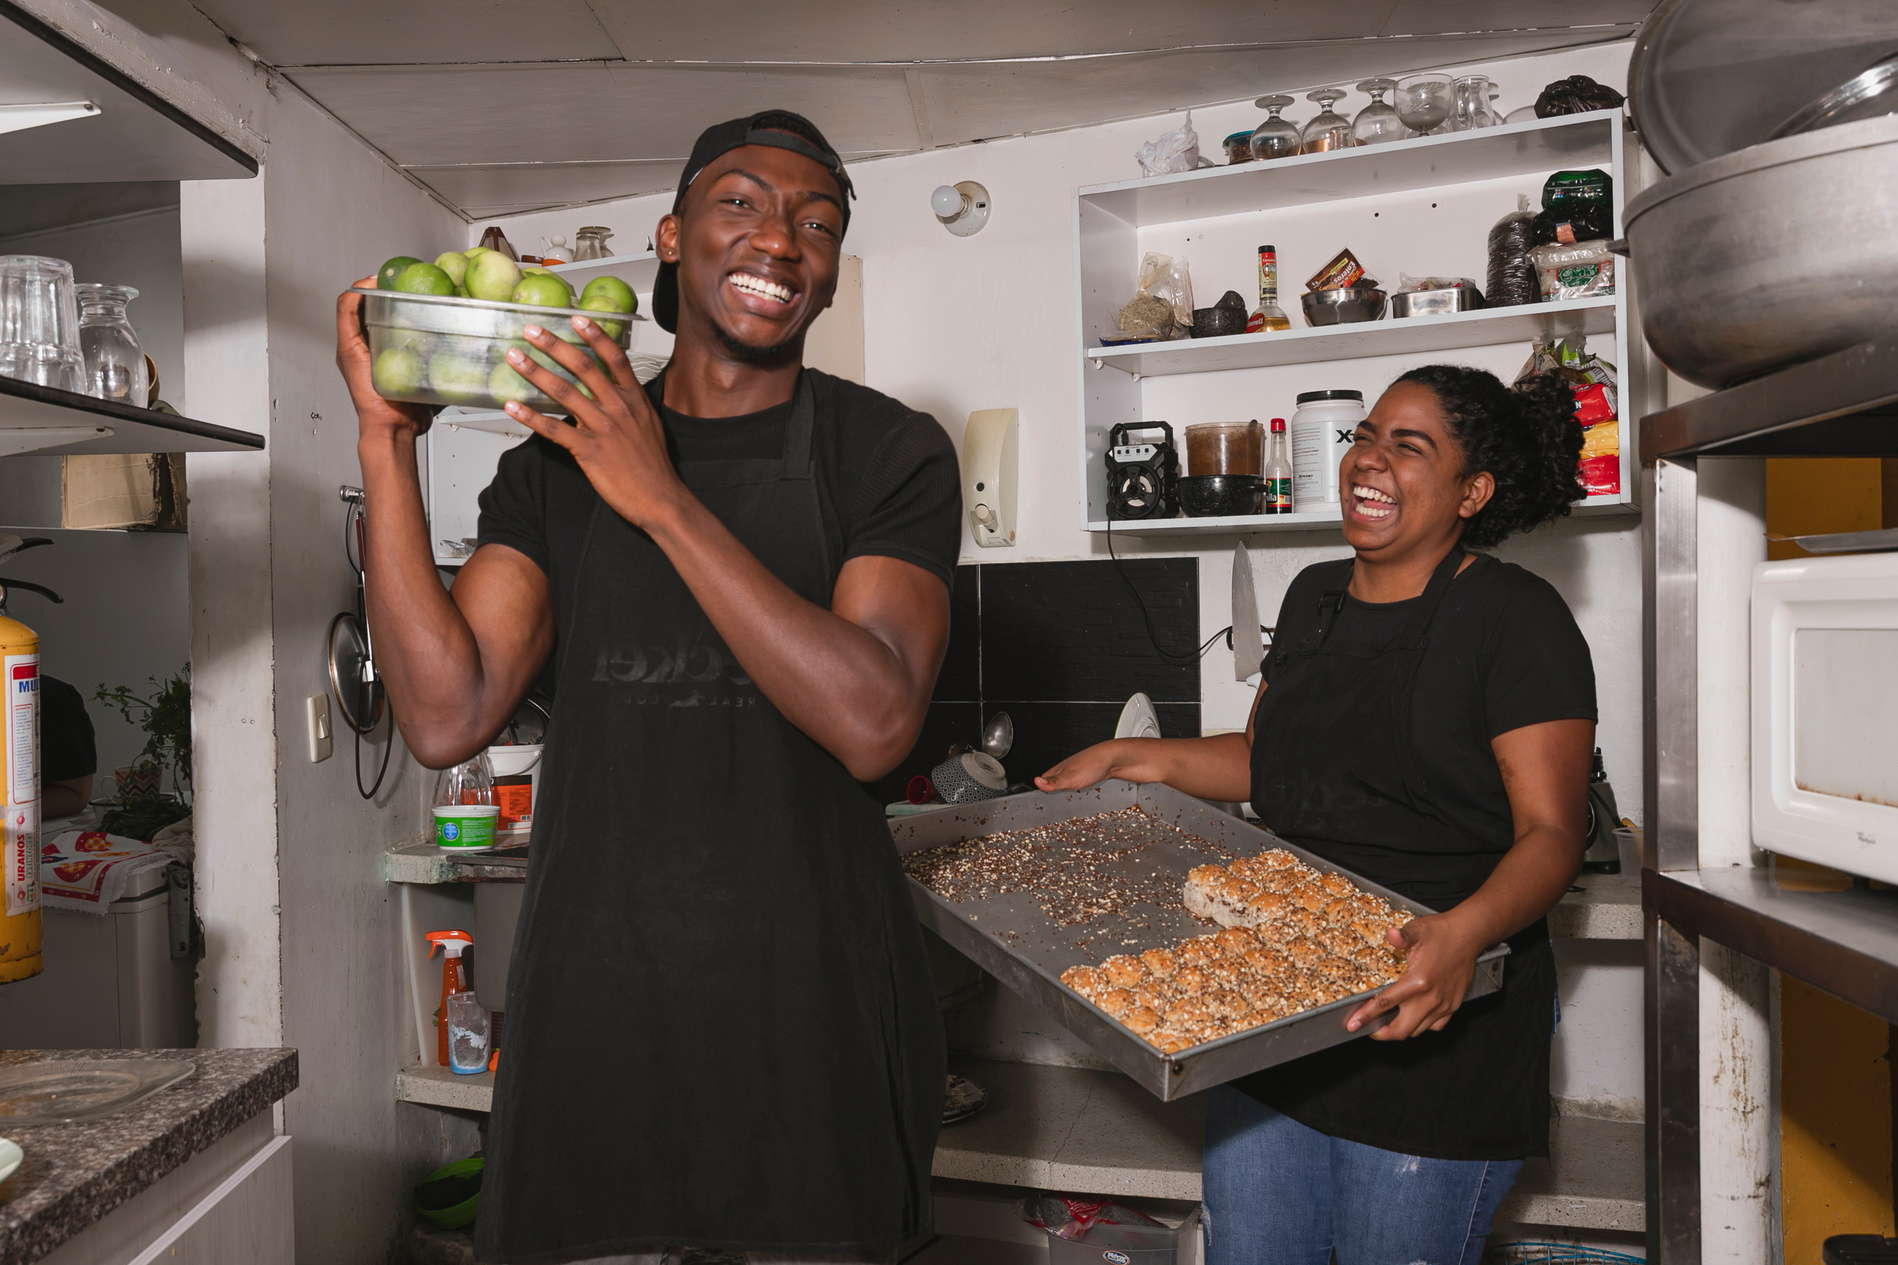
x=1276 y=137
x=1423 y=101
x=1469 y=104
x=1328 y=130
x=1377 y=122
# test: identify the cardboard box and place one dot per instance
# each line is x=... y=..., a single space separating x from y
x=123 y=491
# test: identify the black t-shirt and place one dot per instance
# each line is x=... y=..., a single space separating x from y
x=887 y=480
x=66 y=740
x=1504 y=652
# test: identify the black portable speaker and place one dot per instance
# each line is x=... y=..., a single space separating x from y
x=1142 y=476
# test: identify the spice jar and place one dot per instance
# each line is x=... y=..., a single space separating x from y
x=1239 y=148
x=1225 y=448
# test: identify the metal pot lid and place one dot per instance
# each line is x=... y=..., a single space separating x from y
x=1868 y=96
x=1710 y=77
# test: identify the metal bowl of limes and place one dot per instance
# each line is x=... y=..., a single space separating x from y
x=447 y=350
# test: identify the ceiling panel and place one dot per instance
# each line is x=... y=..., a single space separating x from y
x=590 y=112
x=876 y=30
x=966 y=103
x=385 y=32
x=484 y=191
x=1431 y=17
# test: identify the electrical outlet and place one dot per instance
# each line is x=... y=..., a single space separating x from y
x=316 y=710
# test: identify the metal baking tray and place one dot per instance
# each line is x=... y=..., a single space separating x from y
x=1012 y=939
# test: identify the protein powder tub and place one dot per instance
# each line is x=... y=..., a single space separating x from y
x=1322 y=428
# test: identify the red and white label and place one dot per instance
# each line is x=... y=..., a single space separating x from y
x=20 y=860
x=22 y=672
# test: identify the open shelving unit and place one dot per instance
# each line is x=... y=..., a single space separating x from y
x=1380 y=201
x=52 y=422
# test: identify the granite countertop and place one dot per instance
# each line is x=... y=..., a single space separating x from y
x=74 y=1174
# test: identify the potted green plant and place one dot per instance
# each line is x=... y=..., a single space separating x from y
x=145 y=807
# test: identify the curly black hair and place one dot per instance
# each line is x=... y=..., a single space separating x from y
x=1525 y=436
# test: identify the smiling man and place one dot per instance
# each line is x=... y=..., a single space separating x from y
x=721 y=1028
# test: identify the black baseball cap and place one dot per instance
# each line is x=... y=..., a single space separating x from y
x=780 y=129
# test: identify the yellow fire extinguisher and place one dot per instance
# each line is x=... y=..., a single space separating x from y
x=20 y=799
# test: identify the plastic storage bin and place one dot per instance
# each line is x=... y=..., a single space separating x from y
x=437 y=349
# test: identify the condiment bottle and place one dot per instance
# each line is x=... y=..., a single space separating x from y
x=1278 y=472
x=1269 y=316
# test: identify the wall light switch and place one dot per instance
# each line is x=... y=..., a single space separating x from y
x=316 y=710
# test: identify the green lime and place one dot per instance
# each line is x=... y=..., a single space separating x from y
x=472 y=251
x=537 y=268
x=386 y=275
x=457 y=377
x=614 y=330
x=423 y=279
x=504 y=384
x=493 y=276
x=612 y=289
x=399 y=372
x=542 y=290
x=455 y=264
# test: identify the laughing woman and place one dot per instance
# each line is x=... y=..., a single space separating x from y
x=1426 y=720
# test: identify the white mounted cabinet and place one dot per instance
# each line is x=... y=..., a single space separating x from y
x=1421 y=207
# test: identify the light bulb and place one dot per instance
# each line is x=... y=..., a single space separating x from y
x=946 y=201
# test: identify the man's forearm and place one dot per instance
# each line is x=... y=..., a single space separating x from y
x=847 y=688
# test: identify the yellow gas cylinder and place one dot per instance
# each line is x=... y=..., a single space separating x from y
x=20 y=800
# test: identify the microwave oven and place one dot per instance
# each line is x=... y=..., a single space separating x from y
x=1825 y=711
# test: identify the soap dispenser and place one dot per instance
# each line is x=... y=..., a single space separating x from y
x=988 y=476
x=454 y=980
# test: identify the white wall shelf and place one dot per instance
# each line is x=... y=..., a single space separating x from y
x=1422 y=206
x=1544 y=322
x=1324 y=519
x=49 y=421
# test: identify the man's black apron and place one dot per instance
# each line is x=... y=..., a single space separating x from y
x=1333 y=755
x=721 y=1027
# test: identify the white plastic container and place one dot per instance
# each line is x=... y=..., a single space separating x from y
x=516 y=782
x=1322 y=428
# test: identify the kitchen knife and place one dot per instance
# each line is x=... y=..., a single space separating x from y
x=1248 y=648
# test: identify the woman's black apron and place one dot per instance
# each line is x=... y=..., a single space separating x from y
x=1332 y=755
x=721 y=1027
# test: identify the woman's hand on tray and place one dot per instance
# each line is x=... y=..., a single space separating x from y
x=1441 y=952
x=1218 y=768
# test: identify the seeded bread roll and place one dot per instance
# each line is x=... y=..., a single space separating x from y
x=1304 y=952
x=1151 y=997
x=1141 y=1019
x=1115 y=1001
x=1198 y=951
x=1303 y=921
x=1227 y=973
x=1167 y=1041
x=1189 y=981
x=1085 y=980
x=1197 y=895
x=1123 y=971
x=1249 y=868
x=1235 y=940
x=1160 y=963
x=1282 y=881
x=1278 y=859
x=1337 y=884
x=1267 y=907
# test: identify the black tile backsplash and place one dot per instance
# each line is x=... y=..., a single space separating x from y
x=1059 y=646
x=1072 y=632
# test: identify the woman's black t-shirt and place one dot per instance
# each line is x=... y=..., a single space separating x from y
x=1503 y=651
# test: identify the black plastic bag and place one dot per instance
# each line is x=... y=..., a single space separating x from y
x=1512 y=276
x=1578 y=94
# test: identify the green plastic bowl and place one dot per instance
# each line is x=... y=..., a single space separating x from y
x=463 y=1213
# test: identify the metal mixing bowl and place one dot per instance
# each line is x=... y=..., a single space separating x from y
x=1345 y=306
x=1771 y=256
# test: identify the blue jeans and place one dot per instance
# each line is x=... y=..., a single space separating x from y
x=1278 y=1193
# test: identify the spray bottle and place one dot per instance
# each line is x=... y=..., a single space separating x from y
x=20 y=917
x=454 y=980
